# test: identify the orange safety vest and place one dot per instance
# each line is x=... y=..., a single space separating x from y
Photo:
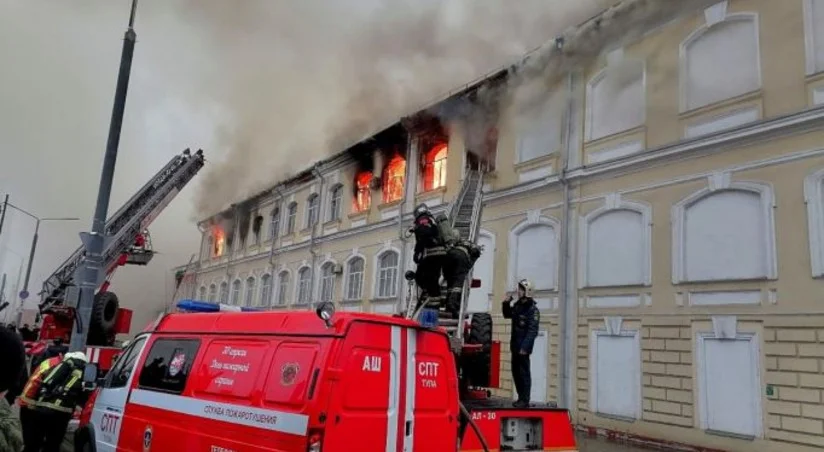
x=29 y=395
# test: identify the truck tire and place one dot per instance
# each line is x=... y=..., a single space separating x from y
x=476 y=367
x=104 y=312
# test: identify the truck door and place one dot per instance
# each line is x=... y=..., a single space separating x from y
x=432 y=413
x=107 y=414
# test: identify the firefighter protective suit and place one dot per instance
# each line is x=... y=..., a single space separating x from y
x=525 y=319
x=429 y=255
x=460 y=257
x=48 y=401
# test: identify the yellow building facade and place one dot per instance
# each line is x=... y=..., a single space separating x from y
x=667 y=201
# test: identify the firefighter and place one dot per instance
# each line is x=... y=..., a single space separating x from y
x=13 y=357
x=429 y=254
x=525 y=318
x=49 y=399
x=460 y=257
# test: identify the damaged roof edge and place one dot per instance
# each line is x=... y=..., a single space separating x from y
x=488 y=79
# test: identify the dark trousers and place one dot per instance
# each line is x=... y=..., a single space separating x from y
x=456 y=267
x=427 y=275
x=522 y=376
x=43 y=430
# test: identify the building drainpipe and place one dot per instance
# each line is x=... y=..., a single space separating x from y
x=318 y=224
x=409 y=195
x=229 y=259
x=566 y=313
x=199 y=256
x=275 y=237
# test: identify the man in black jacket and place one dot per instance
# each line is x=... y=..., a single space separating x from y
x=525 y=319
x=429 y=254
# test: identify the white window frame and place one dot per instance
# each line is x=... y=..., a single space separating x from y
x=722 y=182
x=697 y=34
x=266 y=299
x=291 y=218
x=593 y=374
x=329 y=263
x=213 y=295
x=809 y=38
x=223 y=288
x=590 y=97
x=613 y=203
x=815 y=220
x=376 y=273
x=298 y=284
x=335 y=211
x=249 y=291
x=753 y=339
x=201 y=292
x=234 y=293
x=347 y=274
x=281 y=289
x=533 y=219
x=274 y=222
x=312 y=200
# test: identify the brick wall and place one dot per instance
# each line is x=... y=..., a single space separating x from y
x=666 y=353
x=582 y=367
x=794 y=365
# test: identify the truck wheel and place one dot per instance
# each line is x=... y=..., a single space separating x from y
x=104 y=311
x=476 y=367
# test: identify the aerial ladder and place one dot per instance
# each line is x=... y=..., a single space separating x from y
x=127 y=243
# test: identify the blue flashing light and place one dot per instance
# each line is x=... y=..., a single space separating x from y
x=428 y=318
x=206 y=306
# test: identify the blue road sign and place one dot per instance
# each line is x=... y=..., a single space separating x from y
x=24 y=294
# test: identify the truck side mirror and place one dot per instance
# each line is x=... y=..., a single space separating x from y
x=90 y=372
x=325 y=311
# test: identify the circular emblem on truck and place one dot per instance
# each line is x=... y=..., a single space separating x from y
x=147 y=439
x=288 y=373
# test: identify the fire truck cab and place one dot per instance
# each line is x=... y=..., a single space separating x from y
x=295 y=381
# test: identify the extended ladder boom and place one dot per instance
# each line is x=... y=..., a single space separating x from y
x=123 y=228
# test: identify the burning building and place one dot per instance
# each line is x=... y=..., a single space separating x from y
x=636 y=184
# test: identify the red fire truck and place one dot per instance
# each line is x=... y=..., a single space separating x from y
x=128 y=243
x=307 y=382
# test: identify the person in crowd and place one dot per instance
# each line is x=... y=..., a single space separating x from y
x=525 y=320
x=13 y=357
x=49 y=400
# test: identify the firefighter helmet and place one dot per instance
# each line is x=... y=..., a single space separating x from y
x=421 y=210
x=526 y=286
x=80 y=356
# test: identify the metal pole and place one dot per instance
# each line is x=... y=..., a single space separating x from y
x=3 y=215
x=95 y=241
x=31 y=256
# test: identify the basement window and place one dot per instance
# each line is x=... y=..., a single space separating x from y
x=393 y=179
x=434 y=167
x=363 y=192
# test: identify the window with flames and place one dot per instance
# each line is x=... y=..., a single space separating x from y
x=393 y=179
x=363 y=192
x=434 y=167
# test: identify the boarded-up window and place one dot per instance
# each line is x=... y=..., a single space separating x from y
x=615 y=101
x=615 y=374
x=536 y=254
x=616 y=249
x=539 y=128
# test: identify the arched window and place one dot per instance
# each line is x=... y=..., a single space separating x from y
x=304 y=286
x=235 y=301
x=725 y=232
x=539 y=129
x=335 y=202
x=265 y=290
x=202 y=293
x=274 y=223
x=720 y=60
x=615 y=246
x=283 y=288
x=434 y=167
x=394 y=175
x=386 y=284
x=312 y=210
x=250 y=291
x=534 y=253
x=354 y=279
x=327 y=281
x=212 y=292
x=814 y=197
x=484 y=271
x=363 y=191
x=224 y=292
x=615 y=99
x=291 y=216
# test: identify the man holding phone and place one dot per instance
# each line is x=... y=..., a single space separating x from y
x=525 y=320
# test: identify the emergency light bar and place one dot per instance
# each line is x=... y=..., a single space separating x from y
x=206 y=306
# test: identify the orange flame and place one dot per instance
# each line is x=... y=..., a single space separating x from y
x=393 y=181
x=363 y=195
x=218 y=241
